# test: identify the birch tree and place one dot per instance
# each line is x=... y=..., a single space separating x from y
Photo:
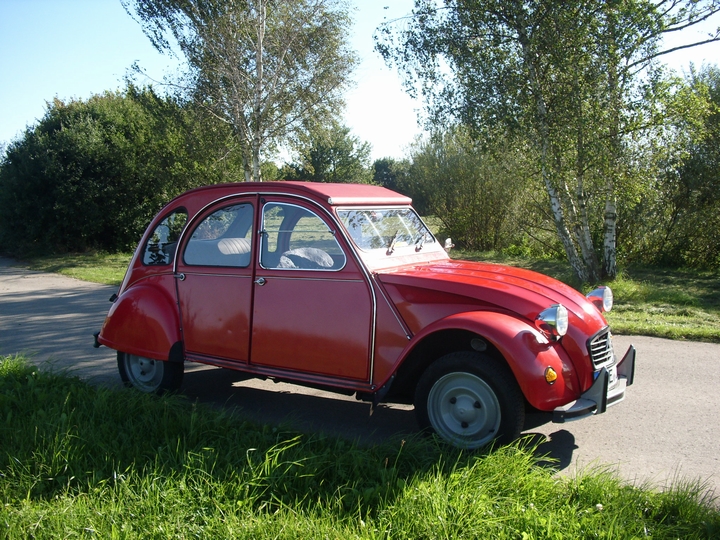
x=572 y=75
x=269 y=68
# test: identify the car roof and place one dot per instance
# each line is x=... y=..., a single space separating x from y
x=333 y=194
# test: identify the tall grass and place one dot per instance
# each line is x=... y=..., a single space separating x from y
x=82 y=461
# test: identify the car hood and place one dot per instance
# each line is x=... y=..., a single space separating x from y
x=492 y=286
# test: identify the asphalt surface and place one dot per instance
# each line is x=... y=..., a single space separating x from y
x=666 y=431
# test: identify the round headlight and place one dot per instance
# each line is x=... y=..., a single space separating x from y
x=553 y=321
x=602 y=297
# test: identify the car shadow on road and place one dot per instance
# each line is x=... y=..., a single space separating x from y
x=307 y=411
x=317 y=412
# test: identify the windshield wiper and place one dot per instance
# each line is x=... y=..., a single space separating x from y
x=391 y=244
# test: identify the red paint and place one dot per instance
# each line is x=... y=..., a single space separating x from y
x=352 y=325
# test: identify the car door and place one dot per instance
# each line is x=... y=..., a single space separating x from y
x=313 y=309
x=214 y=283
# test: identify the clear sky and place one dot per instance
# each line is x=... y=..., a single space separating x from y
x=77 y=48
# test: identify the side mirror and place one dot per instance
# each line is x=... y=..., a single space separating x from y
x=448 y=244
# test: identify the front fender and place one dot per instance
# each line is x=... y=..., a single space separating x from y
x=524 y=348
x=142 y=321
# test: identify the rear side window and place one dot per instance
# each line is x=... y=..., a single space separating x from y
x=161 y=246
x=224 y=238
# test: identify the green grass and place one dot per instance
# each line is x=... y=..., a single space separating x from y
x=678 y=304
x=83 y=461
x=97 y=267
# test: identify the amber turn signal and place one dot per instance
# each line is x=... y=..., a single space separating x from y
x=550 y=375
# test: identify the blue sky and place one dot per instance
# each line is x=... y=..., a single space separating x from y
x=77 y=48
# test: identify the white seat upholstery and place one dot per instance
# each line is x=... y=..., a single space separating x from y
x=234 y=246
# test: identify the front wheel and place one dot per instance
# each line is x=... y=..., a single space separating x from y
x=148 y=375
x=470 y=399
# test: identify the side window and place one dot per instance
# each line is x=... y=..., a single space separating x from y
x=296 y=238
x=224 y=238
x=161 y=246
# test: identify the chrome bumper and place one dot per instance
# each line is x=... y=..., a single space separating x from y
x=599 y=397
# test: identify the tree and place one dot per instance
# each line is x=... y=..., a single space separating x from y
x=568 y=74
x=678 y=222
x=390 y=173
x=331 y=155
x=92 y=173
x=475 y=193
x=270 y=69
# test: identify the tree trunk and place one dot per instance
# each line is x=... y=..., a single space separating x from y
x=609 y=245
x=543 y=132
x=610 y=235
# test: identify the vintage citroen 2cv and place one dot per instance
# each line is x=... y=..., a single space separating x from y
x=343 y=287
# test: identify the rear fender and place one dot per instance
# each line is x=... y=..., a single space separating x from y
x=142 y=321
x=527 y=352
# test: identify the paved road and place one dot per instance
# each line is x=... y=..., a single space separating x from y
x=668 y=427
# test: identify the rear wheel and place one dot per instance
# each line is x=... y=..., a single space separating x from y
x=149 y=375
x=470 y=399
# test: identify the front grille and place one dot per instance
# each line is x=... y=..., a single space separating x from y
x=601 y=349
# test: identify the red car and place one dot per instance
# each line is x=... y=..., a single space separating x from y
x=343 y=287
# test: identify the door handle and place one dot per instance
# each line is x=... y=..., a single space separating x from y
x=181 y=277
x=261 y=281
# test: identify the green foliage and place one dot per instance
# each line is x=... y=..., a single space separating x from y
x=78 y=460
x=267 y=68
x=676 y=221
x=478 y=193
x=575 y=79
x=392 y=174
x=92 y=173
x=330 y=154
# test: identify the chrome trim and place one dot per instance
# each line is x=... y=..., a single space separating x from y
x=600 y=349
x=599 y=296
x=548 y=321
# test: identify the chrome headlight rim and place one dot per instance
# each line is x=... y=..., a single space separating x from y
x=602 y=298
x=553 y=321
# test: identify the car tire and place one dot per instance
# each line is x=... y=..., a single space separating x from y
x=148 y=375
x=470 y=399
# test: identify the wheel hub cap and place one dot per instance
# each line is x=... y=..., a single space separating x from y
x=464 y=409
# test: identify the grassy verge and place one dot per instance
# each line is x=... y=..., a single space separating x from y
x=669 y=303
x=82 y=461
x=108 y=269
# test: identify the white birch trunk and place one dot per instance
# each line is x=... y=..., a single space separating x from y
x=609 y=244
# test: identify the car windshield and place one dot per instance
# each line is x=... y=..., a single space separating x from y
x=385 y=229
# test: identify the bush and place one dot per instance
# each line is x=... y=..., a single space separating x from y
x=479 y=194
x=92 y=173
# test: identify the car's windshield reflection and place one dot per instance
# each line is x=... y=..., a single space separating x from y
x=385 y=229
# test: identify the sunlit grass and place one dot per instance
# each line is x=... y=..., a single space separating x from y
x=96 y=267
x=83 y=461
